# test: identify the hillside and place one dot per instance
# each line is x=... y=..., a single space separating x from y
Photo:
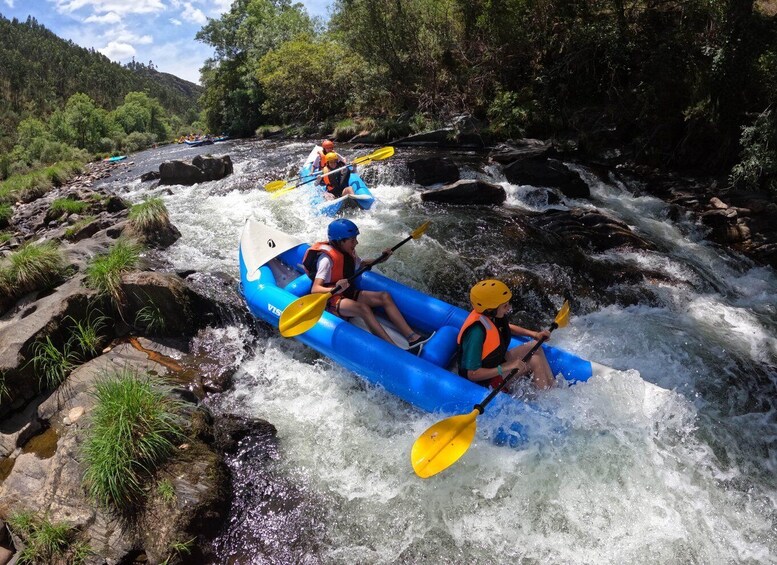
x=39 y=71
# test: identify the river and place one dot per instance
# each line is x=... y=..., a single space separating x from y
x=672 y=460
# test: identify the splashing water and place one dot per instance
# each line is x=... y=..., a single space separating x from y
x=670 y=459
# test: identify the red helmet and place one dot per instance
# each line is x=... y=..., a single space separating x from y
x=328 y=145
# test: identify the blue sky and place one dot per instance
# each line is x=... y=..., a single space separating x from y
x=161 y=31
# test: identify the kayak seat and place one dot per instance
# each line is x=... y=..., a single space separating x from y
x=442 y=347
x=300 y=286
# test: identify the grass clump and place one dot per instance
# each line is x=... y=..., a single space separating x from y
x=5 y=237
x=150 y=319
x=166 y=490
x=6 y=211
x=66 y=206
x=104 y=271
x=133 y=428
x=88 y=333
x=149 y=216
x=46 y=542
x=51 y=364
x=32 y=267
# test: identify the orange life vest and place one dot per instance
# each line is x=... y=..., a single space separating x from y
x=494 y=346
x=343 y=266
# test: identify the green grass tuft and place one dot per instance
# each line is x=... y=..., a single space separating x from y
x=66 y=206
x=78 y=226
x=149 y=216
x=31 y=267
x=166 y=490
x=45 y=542
x=52 y=365
x=88 y=332
x=134 y=424
x=104 y=271
x=150 y=319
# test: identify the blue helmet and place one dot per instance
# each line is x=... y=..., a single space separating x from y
x=341 y=229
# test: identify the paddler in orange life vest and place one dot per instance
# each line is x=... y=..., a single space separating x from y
x=336 y=181
x=327 y=146
x=331 y=263
x=485 y=336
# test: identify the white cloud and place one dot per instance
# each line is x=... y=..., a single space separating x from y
x=175 y=22
x=10 y=3
x=117 y=51
x=122 y=35
x=109 y=18
x=193 y=15
x=103 y=6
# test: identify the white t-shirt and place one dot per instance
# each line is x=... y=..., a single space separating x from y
x=324 y=268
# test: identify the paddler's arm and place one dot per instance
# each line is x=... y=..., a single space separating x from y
x=385 y=255
x=471 y=358
x=519 y=331
x=319 y=286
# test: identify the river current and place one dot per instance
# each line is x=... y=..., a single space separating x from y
x=670 y=460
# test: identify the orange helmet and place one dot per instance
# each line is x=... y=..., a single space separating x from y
x=328 y=145
x=332 y=157
x=489 y=294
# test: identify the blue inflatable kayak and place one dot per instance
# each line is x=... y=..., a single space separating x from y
x=361 y=197
x=272 y=279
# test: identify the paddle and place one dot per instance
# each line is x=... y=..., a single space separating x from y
x=444 y=443
x=286 y=186
x=302 y=314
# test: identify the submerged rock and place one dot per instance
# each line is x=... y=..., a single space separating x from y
x=433 y=170
x=201 y=169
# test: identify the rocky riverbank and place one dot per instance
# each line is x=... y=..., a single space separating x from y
x=63 y=333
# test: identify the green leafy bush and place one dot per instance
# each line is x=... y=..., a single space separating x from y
x=133 y=430
x=757 y=169
x=137 y=141
x=6 y=211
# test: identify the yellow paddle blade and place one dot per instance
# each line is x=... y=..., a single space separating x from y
x=443 y=444
x=420 y=230
x=377 y=155
x=279 y=193
x=562 y=318
x=275 y=185
x=302 y=314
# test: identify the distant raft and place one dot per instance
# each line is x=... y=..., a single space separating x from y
x=362 y=195
x=114 y=159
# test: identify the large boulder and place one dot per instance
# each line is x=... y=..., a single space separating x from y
x=467 y=191
x=201 y=169
x=547 y=172
x=433 y=170
x=46 y=476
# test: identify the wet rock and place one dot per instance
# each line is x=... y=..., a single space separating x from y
x=217 y=300
x=549 y=173
x=468 y=191
x=151 y=175
x=218 y=353
x=438 y=137
x=590 y=229
x=434 y=170
x=231 y=429
x=159 y=303
x=201 y=169
x=506 y=153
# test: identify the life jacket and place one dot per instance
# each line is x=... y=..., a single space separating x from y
x=495 y=345
x=336 y=182
x=343 y=266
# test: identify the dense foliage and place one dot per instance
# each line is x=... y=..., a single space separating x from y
x=673 y=81
x=40 y=72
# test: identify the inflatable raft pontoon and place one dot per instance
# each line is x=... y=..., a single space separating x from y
x=272 y=278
